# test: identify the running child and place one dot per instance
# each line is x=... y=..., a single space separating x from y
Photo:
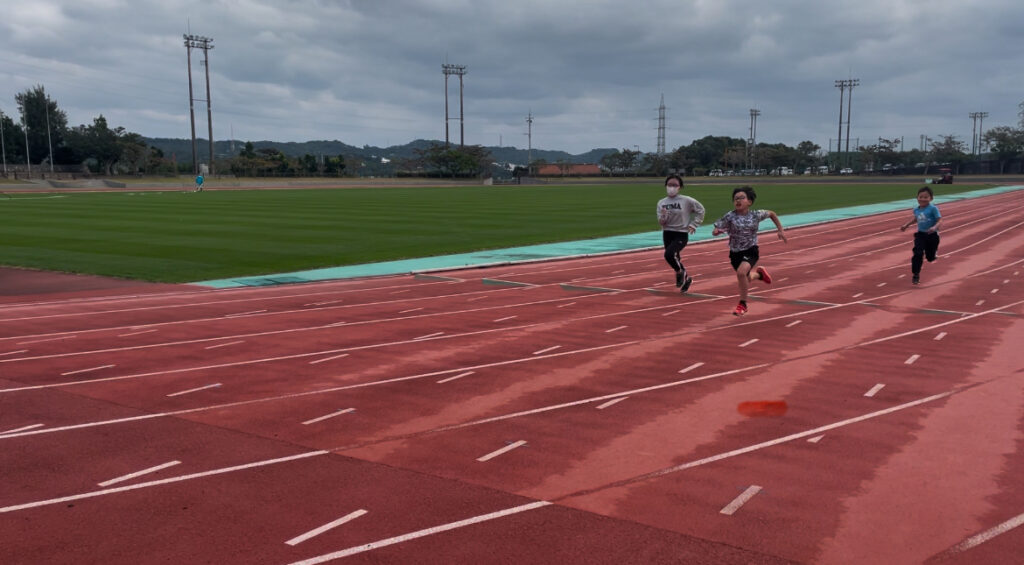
x=926 y=239
x=679 y=217
x=741 y=225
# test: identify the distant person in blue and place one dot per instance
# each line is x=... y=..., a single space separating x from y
x=199 y=183
x=926 y=239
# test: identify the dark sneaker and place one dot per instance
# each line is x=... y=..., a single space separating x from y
x=764 y=275
x=680 y=275
x=740 y=310
x=686 y=284
x=916 y=279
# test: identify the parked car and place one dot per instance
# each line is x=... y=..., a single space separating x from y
x=846 y=171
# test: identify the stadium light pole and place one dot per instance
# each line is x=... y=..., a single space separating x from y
x=24 y=123
x=3 y=148
x=204 y=43
x=49 y=140
x=841 y=85
x=458 y=70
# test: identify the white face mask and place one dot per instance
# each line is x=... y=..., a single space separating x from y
x=672 y=191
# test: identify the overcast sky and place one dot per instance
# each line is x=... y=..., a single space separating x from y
x=368 y=72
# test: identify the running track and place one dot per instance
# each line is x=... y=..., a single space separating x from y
x=577 y=411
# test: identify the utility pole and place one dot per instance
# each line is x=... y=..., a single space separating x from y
x=458 y=70
x=661 y=127
x=981 y=128
x=204 y=43
x=24 y=123
x=842 y=85
x=3 y=148
x=529 y=141
x=49 y=140
x=752 y=140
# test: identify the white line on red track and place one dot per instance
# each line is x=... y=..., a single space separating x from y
x=670 y=313
x=22 y=429
x=815 y=439
x=87 y=370
x=858 y=295
x=983 y=537
x=559 y=306
x=191 y=390
x=435 y=334
x=13 y=352
x=552 y=348
x=749 y=342
x=505 y=318
x=329 y=526
x=421 y=533
x=691 y=367
x=611 y=402
x=325 y=359
x=459 y=376
x=243 y=314
x=880 y=285
x=615 y=329
x=874 y=390
x=939 y=336
x=331 y=415
x=793 y=323
x=136 y=333
x=502 y=451
x=979 y=303
x=910 y=360
x=131 y=476
x=740 y=500
x=993 y=291
x=170 y=480
x=224 y=344
x=411 y=310
x=44 y=340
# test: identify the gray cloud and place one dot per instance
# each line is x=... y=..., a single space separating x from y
x=591 y=73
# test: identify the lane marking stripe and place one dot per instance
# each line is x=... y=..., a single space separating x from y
x=313 y=533
x=552 y=348
x=16 y=430
x=86 y=370
x=179 y=393
x=740 y=500
x=874 y=390
x=325 y=359
x=691 y=367
x=505 y=449
x=910 y=360
x=611 y=402
x=459 y=376
x=139 y=473
x=224 y=344
x=331 y=415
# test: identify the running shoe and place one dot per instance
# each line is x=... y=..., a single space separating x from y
x=916 y=279
x=686 y=284
x=680 y=276
x=764 y=275
x=740 y=310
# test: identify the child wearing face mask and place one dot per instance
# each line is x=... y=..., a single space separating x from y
x=679 y=216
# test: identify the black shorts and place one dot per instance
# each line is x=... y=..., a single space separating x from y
x=749 y=255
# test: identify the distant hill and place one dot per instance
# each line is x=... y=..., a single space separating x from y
x=181 y=149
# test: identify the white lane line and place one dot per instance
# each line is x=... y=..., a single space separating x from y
x=421 y=533
x=459 y=376
x=475 y=298
x=16 y=430
x=552 y=348
x=47 y=339
x=410 y=310
x=983 y=537
x=326 y=302
x=214 y=385
x=331 y=415
x=505 y=449
x=1006 y=281
x=87 y=370
x=939 y=336
x=130 y=476
x=619 y=271
x=114 y=490
x=740 y=500
x=335 y=324
x=793 y=323
x=880 y=285
x=400 y=291
x=224 y=344
x=750 y=342
x=815 y=439
x=615 y=329
x=312 y=533
x=325 y=359
x=691 y=367
x=559 y=306
x=874 y=390
x=505 y=318
x=910 y=360
x=136 y=333
x=243 y=313
x=902 y=276
x=994 y=290
x=858 y=295
x=13 y=352
x=435 y=334
x=670 y=313
x=979 y=303
x=611 y=402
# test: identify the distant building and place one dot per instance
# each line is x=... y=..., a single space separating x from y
x=569 y=170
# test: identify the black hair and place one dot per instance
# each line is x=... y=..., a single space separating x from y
x=748 y=190
x=926 y=189
x=677 y=177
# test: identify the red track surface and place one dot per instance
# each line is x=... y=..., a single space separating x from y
x=562 y=412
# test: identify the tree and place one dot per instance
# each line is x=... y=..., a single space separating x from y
x=464 y=161
x=949 y=150
x=1005 y=144
x=46 y=123
x=97 y=142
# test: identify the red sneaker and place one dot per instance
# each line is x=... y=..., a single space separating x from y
x=740 y=310
x=764 y=275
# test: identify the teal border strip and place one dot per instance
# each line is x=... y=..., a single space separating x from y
x=584 y=248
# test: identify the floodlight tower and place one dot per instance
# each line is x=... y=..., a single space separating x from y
x=842 y=85
x=204 y=43
x=3 y=148
x=661 y=127
x=458 y=70
x=529 y=141
x=752 y=140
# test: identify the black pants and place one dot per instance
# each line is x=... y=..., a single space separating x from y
x=925 y=246
x=675 y=241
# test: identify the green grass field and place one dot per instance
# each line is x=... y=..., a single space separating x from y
x=184 y=236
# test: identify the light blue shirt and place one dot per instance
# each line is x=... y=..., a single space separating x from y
x=926 y=217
